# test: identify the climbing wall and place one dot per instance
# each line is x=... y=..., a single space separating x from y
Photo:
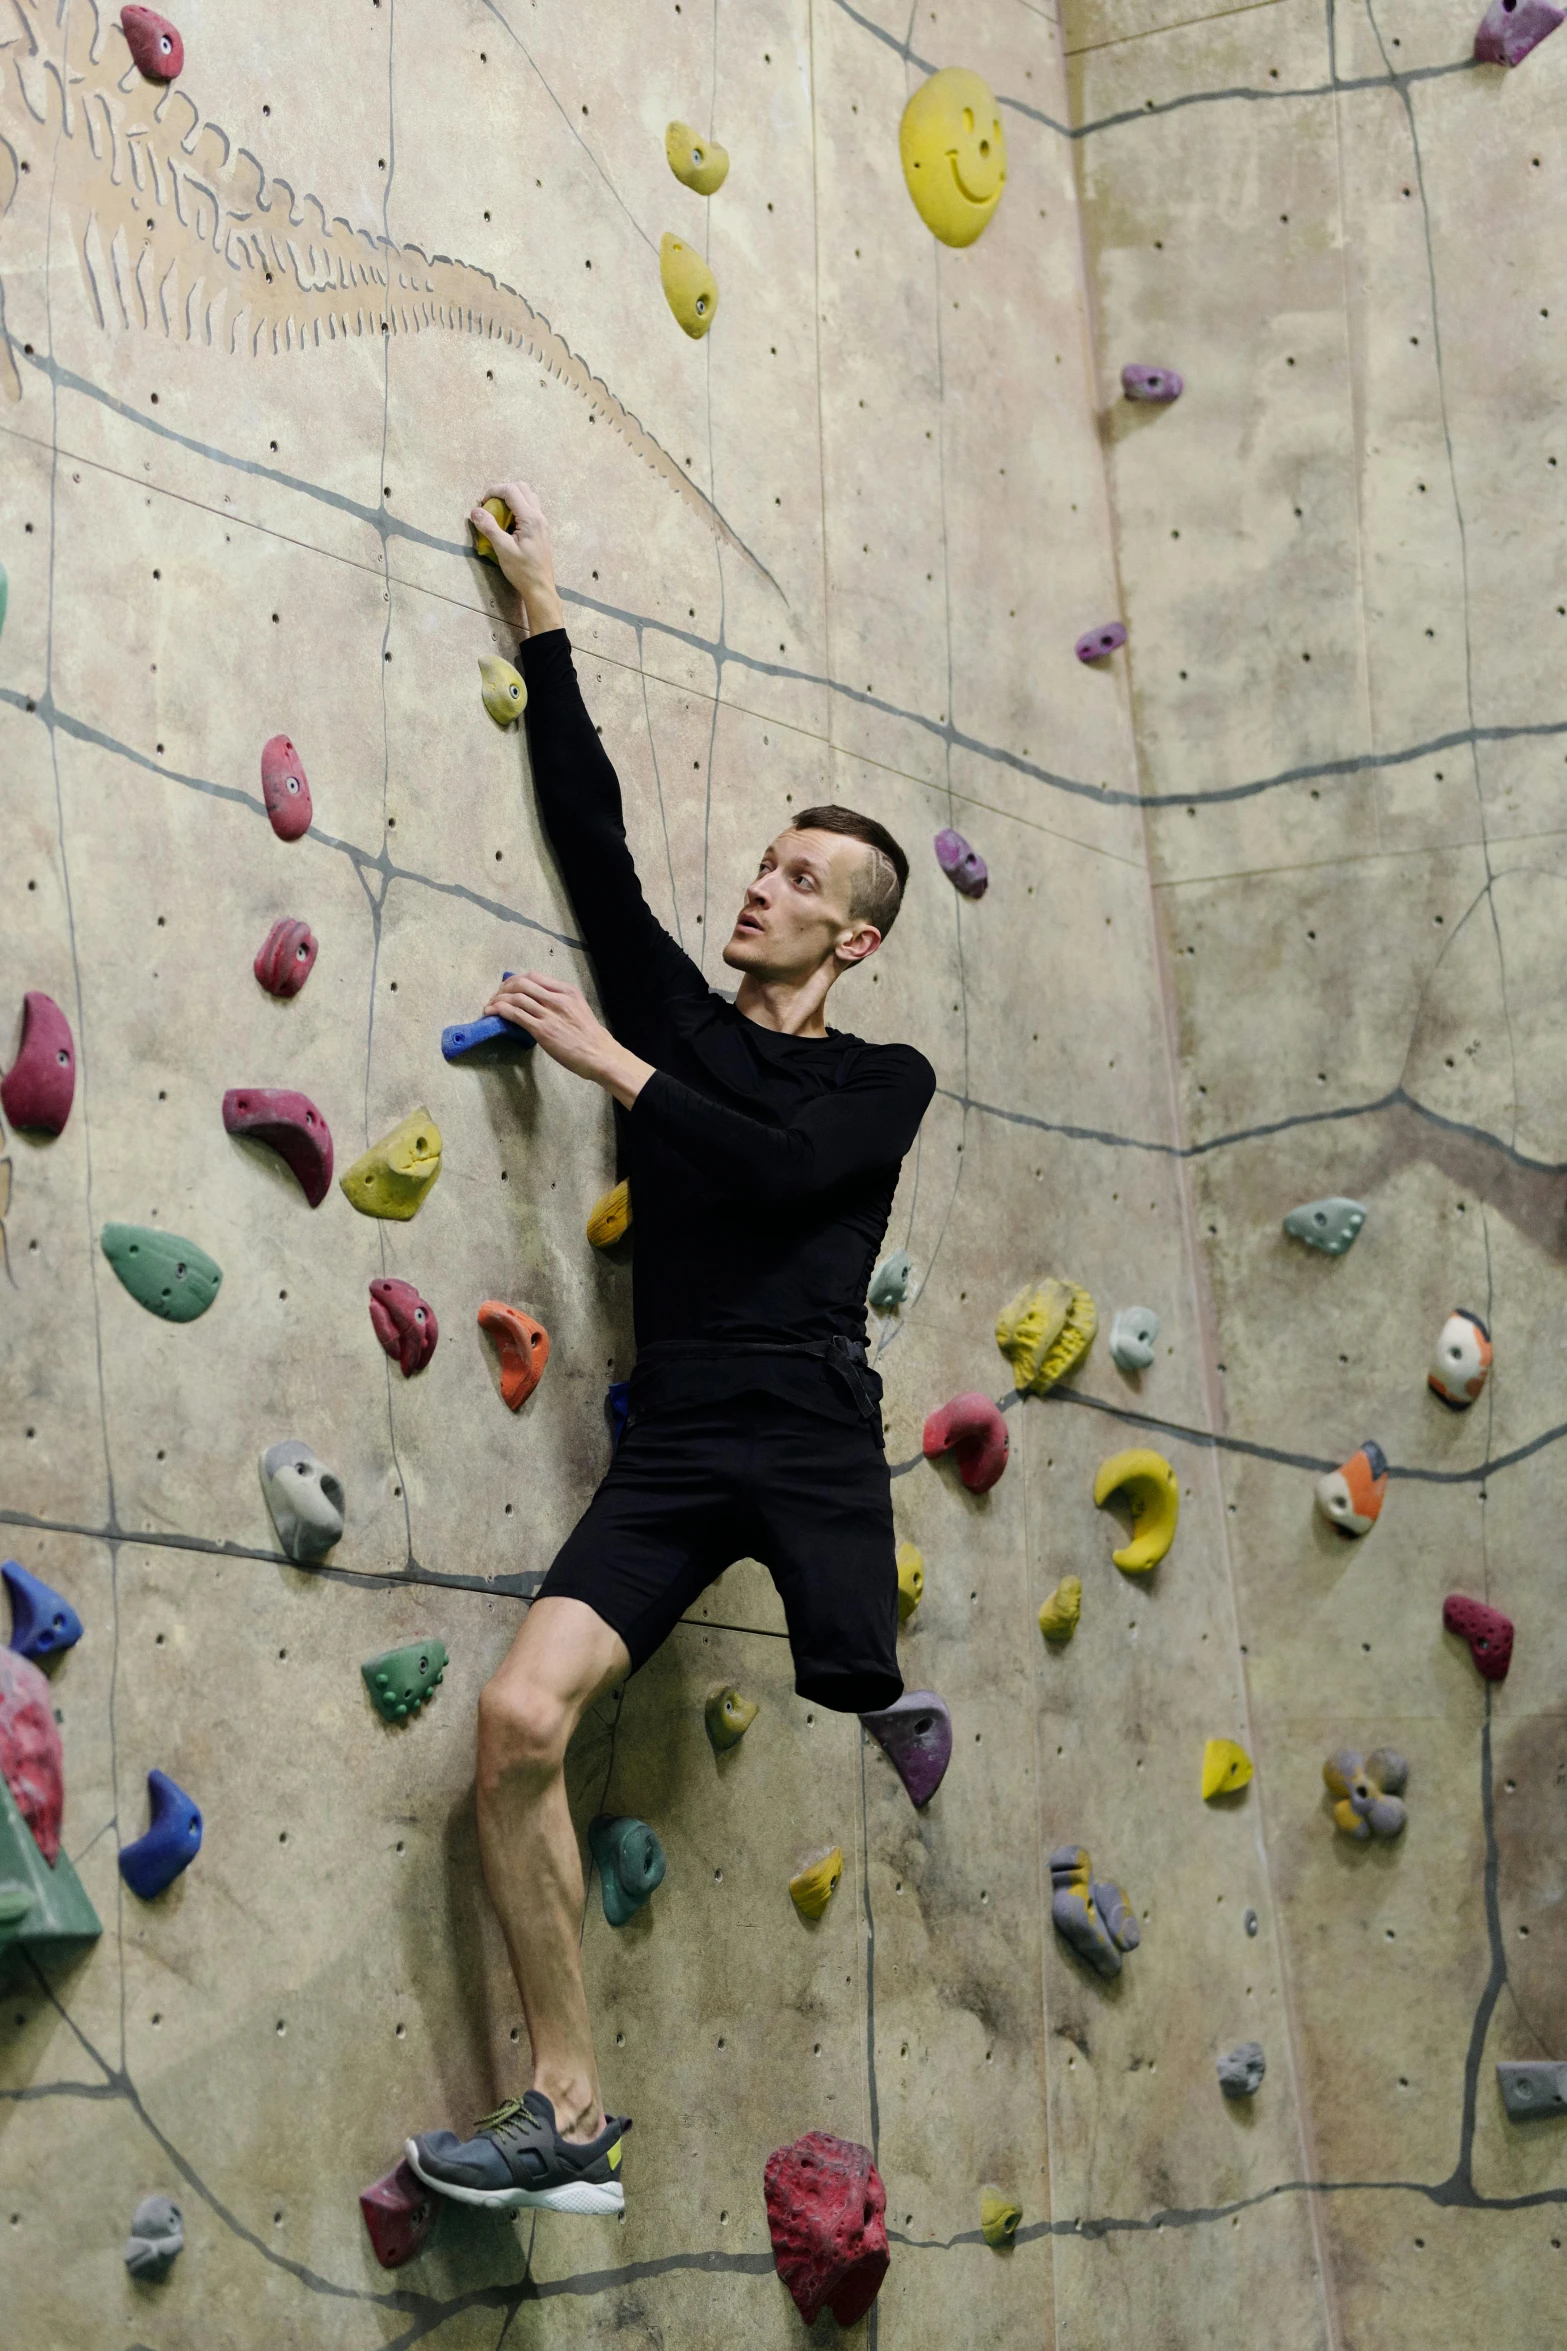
x=1273 y=901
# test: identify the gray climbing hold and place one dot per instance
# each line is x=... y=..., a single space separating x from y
x=1328 y=1225
x=1090 y=1913
x=305 y=1499
x=1250 y=1922
x=1132 y=1335
x=1241 y=2070
x=890 y=1282
x=157 y=2237
x=1536 y=2086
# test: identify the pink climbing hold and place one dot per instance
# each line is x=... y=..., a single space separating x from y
x=1098 y=642
x=825 y=2208
x=400 y=2212
x=40 y=1085
x=290 y=1125
x=1509 y=29
x=404 y=1324
x=1151 y=383
x=31 y=1761
x=285 y=788
x=1488 y=1632
x=972 y=1427
x=964 y=867
x=286 y=957
x=154 y=43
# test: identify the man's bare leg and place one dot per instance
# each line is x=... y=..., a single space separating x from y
x=564 y=1657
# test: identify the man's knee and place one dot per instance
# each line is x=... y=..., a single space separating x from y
x=523 y=1729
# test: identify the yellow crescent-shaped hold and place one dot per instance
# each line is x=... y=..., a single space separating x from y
x=1152 y=1493
x=505 y=695
x=503 y=515
x=610 y=1217
x=911 y=1581
x=812 y=1888
x=696 y=162
x=1226 y=1766
x=690 y=288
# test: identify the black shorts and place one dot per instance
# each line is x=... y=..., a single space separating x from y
x=694 y=1487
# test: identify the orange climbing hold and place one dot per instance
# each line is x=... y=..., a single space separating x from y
x=523 y=1346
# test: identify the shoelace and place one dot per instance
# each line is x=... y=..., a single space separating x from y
x=510 y=2119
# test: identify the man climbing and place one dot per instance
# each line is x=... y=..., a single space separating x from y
x=763 y=1151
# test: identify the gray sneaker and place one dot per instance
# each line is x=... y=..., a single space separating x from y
x=517 y=2157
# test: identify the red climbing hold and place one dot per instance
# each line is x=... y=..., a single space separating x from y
x=290 y=1125
x=285 y=788
x=523 y=1346
x=400 y=2213
x=154 y=43
x=31 y=1761
x=404 y=1324
x=286 y=957
x=971 y=1426
x=38 y=1088
x=1488 y=1632
x=825 y=2204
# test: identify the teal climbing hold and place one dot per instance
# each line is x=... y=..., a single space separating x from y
x=171 y=1277
x=39 y=1905
x=1328 y=1225
x=630 y=1863
x=890 y=1282
x=400 y=1680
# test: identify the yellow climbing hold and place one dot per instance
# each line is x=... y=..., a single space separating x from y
x=911 y=1581
x=610 y=1219
x=505 y=695
x=1225 y=1767
x=504 y=516
x=393 y=1176
x=1058 y=1618
x=998 y=2215
x=1044 y=1331
x=813 y=1887
x=690 y=288
x=954 y=154
x=728 y=1716
x=1152 y=1492
x=697 y=163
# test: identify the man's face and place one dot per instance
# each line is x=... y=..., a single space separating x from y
x=797 y=911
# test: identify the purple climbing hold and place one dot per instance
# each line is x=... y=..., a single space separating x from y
x=172 y=1841
x=1509 y=29
x=1151 y=383
x=290 y=1125
x=963 y=866
x=1099 y=642
x=404 y=1323
x=40 y=1085
x=917 y=1736
x=43 y=1622
x=286 y=957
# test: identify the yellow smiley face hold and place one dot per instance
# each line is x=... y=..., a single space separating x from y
x=954 y=154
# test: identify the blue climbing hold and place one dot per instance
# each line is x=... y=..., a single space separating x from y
x=507 y=1042
x=43 y=1622
x=171 y=1843
x=617 y=1403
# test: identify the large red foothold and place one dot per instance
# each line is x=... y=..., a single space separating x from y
x=1488 y=1632
x=523 y=1346
x=286 y=957
x=404 y=1324
x=290 y=1125
x=31 y=1761
x=972 y=1427
x=400 y=2213
x=825 y=2207
x=40 y=1085
x=285 y=788
x=153 y=42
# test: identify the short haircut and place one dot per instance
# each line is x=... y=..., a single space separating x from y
x=878 y=890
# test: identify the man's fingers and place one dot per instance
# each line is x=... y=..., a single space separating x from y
x=488 y=528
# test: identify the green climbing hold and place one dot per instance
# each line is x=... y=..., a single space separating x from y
x=400 y=1680
x=728 y=1716
x=38 y=1905
x=630 y=1863
x=169 y=1276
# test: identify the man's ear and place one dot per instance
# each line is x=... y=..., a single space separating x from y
x=859 y=944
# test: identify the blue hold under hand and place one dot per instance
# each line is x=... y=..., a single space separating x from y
x=503 y=1036
x=171 y=1843
x=617 y=1403
x=43 y=1622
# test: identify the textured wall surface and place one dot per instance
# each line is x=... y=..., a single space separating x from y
x=1274 y=911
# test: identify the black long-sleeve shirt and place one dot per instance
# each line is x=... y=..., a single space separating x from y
x=762 y=1166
